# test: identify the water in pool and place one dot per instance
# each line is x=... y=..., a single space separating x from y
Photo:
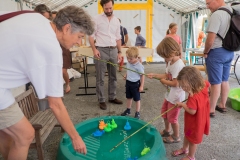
x=99 y=147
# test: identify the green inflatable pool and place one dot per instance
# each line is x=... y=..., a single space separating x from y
x=98 y=148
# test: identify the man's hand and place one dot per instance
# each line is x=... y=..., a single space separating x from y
x=119 y=57
x=205 y=55
x=97 y=54
x=79 y=145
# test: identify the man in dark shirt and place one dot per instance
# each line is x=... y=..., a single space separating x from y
x=124 y=39
x=124 y=34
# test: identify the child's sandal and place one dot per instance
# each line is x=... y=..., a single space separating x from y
x=174 y=139
x=165 y=133
x=179 y=152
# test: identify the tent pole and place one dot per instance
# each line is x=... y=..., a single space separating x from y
x=21 y=4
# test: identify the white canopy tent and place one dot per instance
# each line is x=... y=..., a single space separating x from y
x=154 y=16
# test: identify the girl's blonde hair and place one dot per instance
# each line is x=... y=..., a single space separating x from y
x=191 y=78
x=132 y=52
x=171 y=25
x=168 y=47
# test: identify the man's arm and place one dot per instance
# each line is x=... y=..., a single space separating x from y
x=126 y=39
x=66 y=79
x=60 y=112
x=96 y=53
x=119 y=49
x=209 y=42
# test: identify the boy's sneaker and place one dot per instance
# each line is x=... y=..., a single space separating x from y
x=137 y=115
x=126 y=112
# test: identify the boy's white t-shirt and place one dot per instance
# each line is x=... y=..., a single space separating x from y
x=174 y=94
x=29 y=51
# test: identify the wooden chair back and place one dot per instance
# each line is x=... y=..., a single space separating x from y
x=28 y=103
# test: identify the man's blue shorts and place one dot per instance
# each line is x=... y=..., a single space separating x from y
x=132 y=90
x=218 y=64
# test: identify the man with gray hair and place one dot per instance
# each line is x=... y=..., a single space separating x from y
x=30 y=52
x=218 y=59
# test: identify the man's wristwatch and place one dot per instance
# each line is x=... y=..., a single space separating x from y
x=119 y=51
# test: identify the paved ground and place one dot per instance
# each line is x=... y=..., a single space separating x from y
x=223 y=143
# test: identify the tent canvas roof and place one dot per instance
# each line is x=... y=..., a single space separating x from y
x=182 y=6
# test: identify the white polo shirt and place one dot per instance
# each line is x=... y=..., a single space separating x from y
x=29 y=52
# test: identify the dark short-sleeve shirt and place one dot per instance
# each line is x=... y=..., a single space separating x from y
x=123 y=32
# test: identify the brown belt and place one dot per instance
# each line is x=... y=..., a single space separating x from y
x=108 y=47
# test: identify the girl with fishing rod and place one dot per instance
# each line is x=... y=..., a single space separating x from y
x=170 y=51
x=197 y=110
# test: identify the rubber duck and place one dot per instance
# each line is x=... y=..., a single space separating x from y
x=145 y=151
x=114 y=124
x=102 y=124
x=98 y=133
x=127 y=126
x=108 y=128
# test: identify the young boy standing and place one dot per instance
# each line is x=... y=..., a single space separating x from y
x=140 y=41
x=134 y=81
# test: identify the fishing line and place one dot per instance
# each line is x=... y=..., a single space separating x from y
x=154 y=119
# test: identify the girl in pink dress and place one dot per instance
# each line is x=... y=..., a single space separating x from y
x=172 y=32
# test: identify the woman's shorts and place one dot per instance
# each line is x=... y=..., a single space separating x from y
x=10 y=116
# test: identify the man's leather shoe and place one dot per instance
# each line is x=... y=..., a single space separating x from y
x=116 y=101
x=103 y=105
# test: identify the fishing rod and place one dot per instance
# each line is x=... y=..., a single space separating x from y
x=154 y=119
x=116 y=65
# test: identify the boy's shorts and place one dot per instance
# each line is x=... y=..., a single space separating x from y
x=172 y=115
x=218 y=65
x=10 y=116
x=132 y=90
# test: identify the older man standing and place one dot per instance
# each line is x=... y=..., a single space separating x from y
x=30 y=52
x=218 y=59
x=108 y=48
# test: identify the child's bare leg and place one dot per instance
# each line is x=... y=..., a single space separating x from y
x=167 y=125
x=138 y=106
x=175 y=127
x=127 y=111
x=185 y=144
x=192 y=149
x=129 y=103
x=183 y=150
x=174 y=138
